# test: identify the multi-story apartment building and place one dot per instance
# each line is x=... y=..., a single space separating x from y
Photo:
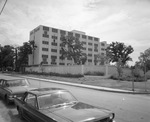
x=47 y=40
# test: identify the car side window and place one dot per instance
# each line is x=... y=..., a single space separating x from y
x=31 y=100
x=3 y=83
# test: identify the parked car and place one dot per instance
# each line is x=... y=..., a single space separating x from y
x=11 y=88
x=58 y=105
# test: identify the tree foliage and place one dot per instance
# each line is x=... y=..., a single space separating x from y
x=144 y=60
x=7 y=56
x=23 y=52
x=102 y=59
x=71 y=47
x=119 y=51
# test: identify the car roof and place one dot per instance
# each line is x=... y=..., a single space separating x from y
x=43 y=91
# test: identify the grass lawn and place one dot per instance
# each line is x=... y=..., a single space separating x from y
x=103 y=82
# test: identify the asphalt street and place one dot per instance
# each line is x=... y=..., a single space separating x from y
x=127 y=107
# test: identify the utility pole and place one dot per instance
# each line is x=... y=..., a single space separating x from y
x=16 y=58
x=3 y=7
x=145 y=61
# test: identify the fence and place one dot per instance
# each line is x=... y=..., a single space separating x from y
x=75 y=69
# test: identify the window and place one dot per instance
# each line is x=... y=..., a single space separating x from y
x=89 y=60
x=44 y=56
x=31 y=100
x=96 y=39
x=89 y=49
x=45 y=28
x=53 y=60
x=45 y=34
x=53 y=50
x=89 y=43
x=54 y=30
x=44 y=49
x=84 y=42
x=61 y=58
x=61 y=63
x=103 y=49
x=102 y=44
x=61 y=44
x=60 y=51
x=45 y=42
x=84 y=48
x=54 y=44
x=77 y=35
x=96 y=45
x=84 y=54
x=95 y=50
x=84 y=36
x=70 y=34
x=44 y=59
x=53 y=56
x=62 y=32
x=95 y=56
x=54 y=63
x=54 y=37
x=90 y=38
x=90 y=55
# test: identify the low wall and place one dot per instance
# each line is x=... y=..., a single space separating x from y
x=76 y=69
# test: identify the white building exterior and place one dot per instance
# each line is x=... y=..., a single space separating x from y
x=47 y=40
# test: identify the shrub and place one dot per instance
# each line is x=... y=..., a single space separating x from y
x=95 y=73
x=140 y=79
x=148 y=74
x=55 y=74
x=128 y=78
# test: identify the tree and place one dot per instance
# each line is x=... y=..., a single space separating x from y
x=7 y=57
x=144 y=60
x=23 y=53
x=71 y=47
x=119 y=51
x=33 y=47
x=102 y=59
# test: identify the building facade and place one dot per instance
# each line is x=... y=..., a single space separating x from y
x=47 y=40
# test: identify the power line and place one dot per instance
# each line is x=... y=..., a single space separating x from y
x=3 y=7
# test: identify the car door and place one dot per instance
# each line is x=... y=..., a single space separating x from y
x=31 y=109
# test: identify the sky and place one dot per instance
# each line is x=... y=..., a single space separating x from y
x=125 y=21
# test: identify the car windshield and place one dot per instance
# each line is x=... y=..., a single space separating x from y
x=19 y=82
x=57 y=99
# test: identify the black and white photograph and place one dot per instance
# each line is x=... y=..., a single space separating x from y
x=74 y=60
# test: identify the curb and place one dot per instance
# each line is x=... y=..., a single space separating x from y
x=106 y=89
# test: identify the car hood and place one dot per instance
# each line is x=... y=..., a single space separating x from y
x=19 y=89
x=78 y=112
